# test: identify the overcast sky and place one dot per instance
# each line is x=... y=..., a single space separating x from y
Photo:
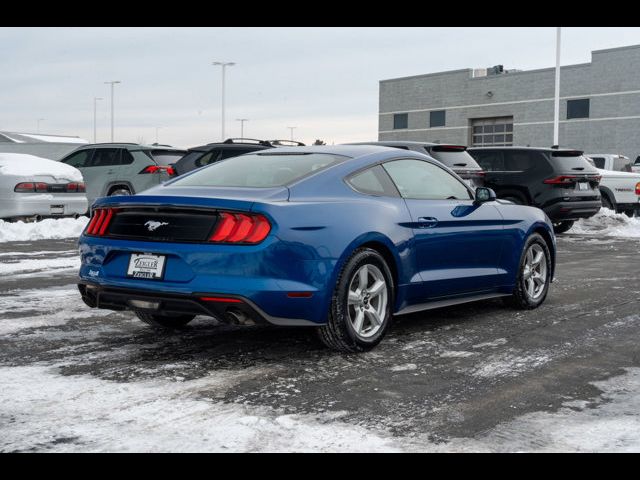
x=324 y=81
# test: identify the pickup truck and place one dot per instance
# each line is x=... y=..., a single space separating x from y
x=620 y=190
x=610 y=161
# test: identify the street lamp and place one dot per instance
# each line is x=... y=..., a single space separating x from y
x=95 y=101
x=223 y=65
x=291 y=128
x=556 y=96
x=112 y=83
x=38 y=128
x=242 y=120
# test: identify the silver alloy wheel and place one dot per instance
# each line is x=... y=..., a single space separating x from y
x=534 y=272
x=367 y=300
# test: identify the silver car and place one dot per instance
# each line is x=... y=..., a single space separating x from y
x=33 y=188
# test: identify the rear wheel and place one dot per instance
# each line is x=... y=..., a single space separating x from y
x=562 y=227
x=361 y=307
x=119 y=191
x=606 y=203
x=534 y=275
x=164 y=321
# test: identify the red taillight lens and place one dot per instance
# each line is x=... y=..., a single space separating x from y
x=41 y=187
x=562 y=180
x=25 y=187
x=100 y=221
x=240 y=228
x=72 y=187
x=82 y=187
x=159 y=169
x=638 y=188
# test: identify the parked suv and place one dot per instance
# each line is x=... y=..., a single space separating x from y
x=453 y=156
x=560 y=182
x=197 y=157
x=123 y=168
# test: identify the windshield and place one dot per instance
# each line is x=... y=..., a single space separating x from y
x=567 y=162
x=164 y=157
x=455 y=160
x=260 y=170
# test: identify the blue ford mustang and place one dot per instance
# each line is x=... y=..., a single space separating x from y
x=340 y=238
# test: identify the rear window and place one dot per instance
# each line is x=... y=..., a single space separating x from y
x=455 y=158
x=567 y=161
x=166 y=158
x=260 y=170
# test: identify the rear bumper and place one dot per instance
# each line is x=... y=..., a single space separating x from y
x=224 y=307
x=572 y=210
x=39 y=204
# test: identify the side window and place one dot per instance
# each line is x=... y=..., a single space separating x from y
x=598 y=161
x=424 y=181
x=490 y=161
x=207 y=158
x=518 y=161
x=620 y=164
x=127 y=158
x=79 y=159
x=106 y=157
x=373 y=181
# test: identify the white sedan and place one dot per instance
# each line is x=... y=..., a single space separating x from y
x=33 y=188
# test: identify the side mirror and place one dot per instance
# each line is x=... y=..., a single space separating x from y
x=484 y=194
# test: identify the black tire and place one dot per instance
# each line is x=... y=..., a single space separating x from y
x=520 y=299
x=338 y=333
x=515 y=198
x=562 y=227
x=606 y=203
x=119 y=191
x=165 y=321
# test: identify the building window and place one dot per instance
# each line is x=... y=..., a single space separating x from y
x=578 y=108
x=496 y=131
x=400 y=120
x=436 y=118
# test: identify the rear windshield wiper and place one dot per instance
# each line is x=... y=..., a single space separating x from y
x=459 y=164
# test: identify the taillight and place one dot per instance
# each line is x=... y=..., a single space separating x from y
x=638 y=188
x=28 y=187
x=159 y=169
x=562 y=180
x=100 y=220
x=240 y=228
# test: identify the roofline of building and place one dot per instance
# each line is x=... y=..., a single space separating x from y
x=537 y=70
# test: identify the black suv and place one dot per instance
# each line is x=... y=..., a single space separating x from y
x=197 y=157
x=560 y=182
x=453 y=156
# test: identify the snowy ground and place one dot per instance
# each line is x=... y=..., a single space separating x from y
x=565 y=377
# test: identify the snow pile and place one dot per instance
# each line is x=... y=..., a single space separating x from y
x=49 y=229
x=51 y=412
x=22 y=164
x=608 y=223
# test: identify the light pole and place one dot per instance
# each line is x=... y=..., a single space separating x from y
x=112 y=83
x=242 y=120
x=223 y=65
x=157 y=128
x=556 y=99
x=291 y=128
x=38 y=128
x=95 y=106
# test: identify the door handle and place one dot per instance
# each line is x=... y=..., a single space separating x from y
x=111 y=171
x=427 y=222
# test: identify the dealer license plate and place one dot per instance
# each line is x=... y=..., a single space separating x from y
x=145 y=265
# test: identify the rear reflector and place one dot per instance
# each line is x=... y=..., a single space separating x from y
x=245 y=228
x=300 y=294
x=221 y=299
x=638 y=188
x=99 y=222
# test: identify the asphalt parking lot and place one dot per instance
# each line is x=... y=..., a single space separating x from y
x=474 y=377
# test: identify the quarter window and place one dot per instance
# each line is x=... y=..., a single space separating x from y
x=424 y=181
x=400 y=120
x=373 y=181
x=578 y=108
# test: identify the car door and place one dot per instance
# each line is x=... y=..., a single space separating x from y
x=103 y=167
x=457 y=243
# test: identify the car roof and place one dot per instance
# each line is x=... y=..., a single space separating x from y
x=212 y=146
x=353 y=151
x=130 y=146
x=537 y=149
x=397 y=142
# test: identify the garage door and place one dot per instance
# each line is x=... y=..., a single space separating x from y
x=497 y=131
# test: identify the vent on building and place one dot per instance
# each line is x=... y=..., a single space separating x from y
x=479 y=72
x=495 y=70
